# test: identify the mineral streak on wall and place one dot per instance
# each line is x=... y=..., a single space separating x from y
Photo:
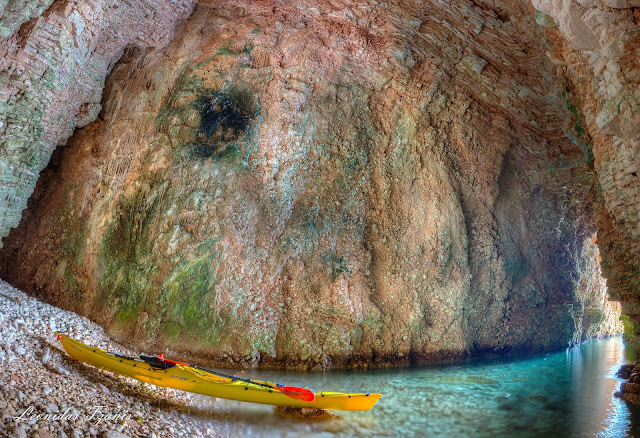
x=326 y=184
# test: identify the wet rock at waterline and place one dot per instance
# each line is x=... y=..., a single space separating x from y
x=299 y=185
x=630 y=390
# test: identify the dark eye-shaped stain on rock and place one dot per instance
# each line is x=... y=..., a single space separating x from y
x=225 y=119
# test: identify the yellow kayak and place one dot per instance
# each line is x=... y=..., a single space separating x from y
x=194 y=379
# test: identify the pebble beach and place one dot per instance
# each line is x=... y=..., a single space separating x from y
x=45 y=393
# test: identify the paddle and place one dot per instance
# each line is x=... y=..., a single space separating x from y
x=295 y=392
x=303 y=394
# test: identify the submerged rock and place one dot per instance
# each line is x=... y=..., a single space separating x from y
x=306 y=414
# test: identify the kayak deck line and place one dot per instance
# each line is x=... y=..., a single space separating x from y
x=201 y=381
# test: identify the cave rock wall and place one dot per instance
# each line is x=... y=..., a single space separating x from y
x=326 y=185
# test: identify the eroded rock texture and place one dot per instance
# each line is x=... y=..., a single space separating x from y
x=54 y=58
x=326 y=184
x=597 y=50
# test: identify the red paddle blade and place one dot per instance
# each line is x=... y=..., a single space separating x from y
x=303 y=394
x=173 y=362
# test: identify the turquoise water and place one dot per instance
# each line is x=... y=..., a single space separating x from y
x=556 y=395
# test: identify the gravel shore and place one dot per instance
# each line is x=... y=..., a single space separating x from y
x=72 y=399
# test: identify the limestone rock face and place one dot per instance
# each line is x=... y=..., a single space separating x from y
x=54 y=57
x=594 y=315
x=322 y=184
x=15 y=12
x=602 y=78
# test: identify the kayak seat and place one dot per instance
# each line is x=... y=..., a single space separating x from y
x=156 y=362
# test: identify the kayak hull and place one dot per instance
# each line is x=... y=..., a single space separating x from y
x=187 y=378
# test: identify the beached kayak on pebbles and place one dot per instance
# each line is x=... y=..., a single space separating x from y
x=179 y=375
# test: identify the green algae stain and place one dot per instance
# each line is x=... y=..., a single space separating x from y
x=126 y=259
x=128 y=235
x=189 y=298
x=545 y=20
x=337 y=264
x=516 y=267
x=579 y=128
x=629 y=329
x=590 y=157
x=150 y=295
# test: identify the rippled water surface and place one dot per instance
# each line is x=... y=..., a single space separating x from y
x=561 y=394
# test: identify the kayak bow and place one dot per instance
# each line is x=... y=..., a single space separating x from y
x=179 y=375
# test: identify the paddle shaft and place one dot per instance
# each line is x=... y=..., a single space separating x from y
x=303 y=394
x=227 y=376
x=163 y=361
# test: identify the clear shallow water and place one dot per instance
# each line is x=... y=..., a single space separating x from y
x=562 y=394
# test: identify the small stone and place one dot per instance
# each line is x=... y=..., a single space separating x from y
x=53 y=407
x=335 y=426
x=19 y=432
x=62 y=371
x=46 y=356
x=20 y=351
x=116 y=434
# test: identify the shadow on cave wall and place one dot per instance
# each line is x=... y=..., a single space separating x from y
x=225 y=118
